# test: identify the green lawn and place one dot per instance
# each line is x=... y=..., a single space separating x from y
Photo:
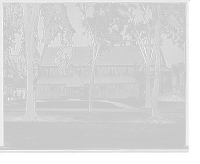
x=83 y=117
x=84 y=104
x=161 y=104
x=178 y=114
x=65 y=104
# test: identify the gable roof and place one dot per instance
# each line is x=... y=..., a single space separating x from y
x=81 y=56
x=109 y=79
x=76 y=81
x=54 y=80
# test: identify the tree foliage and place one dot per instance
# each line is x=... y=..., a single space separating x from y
x=99 y=25
x=143 y=32
x=12 y=15
x=64 y=56
x=24 y=18
x=173 y=18
x=56 y=22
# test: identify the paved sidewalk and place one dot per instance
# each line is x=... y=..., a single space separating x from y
x=163 y=112
x=123 y=108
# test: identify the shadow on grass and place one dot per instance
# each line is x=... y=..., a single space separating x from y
x=84 y=117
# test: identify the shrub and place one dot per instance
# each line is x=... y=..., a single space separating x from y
x=170 y=96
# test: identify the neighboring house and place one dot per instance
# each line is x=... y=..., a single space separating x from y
x=179 y=78
x=8 y=75
x=116 y=75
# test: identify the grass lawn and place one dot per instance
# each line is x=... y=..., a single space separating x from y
x=65 y=104
x=84 y=117
x=178 y=114
x=161 y=104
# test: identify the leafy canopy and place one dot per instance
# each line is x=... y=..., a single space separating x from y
x=55 y=22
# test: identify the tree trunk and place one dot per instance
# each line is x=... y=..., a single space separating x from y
x=91 y=87
x=30 y=42
x=30 y=111
x=148 y=86
x=155 y=94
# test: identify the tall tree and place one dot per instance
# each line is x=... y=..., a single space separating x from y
x=171 y=21
x=8 y=33
x=100 y=23
x=155 y=90
x=142 y=33
x=24 y=17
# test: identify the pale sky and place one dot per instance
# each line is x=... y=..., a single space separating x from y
x=172 y=53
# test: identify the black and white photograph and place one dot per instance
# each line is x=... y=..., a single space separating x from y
x=94 y=76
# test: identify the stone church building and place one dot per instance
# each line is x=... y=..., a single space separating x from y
x=118 y=74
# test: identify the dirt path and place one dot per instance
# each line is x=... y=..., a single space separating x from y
x=93 y=136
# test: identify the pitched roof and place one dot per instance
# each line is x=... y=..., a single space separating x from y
x=80 y=81
x=74 y=81
x=81 y=56
x=109 y=79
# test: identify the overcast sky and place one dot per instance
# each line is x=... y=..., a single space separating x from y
x=171 y=52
